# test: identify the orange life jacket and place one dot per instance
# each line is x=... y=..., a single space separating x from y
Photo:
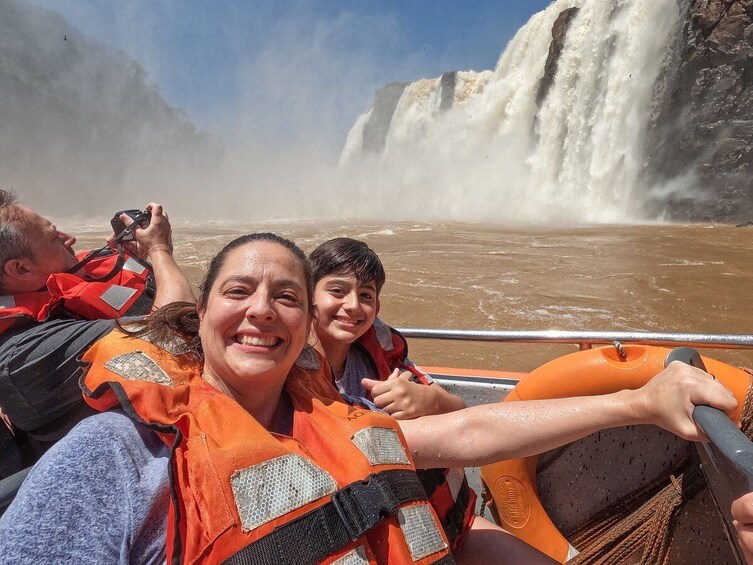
x=453 y=500
x=342 y=489
x=125 y=288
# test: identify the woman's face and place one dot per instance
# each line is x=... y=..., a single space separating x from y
x=255 y=321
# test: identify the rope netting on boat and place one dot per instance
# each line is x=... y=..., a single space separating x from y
x=640 y=528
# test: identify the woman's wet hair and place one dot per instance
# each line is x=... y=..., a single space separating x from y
x=347 y=256
x=181 y=319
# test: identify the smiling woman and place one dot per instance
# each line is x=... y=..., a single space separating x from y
x=223 y=439
x=256 y=440
x=254 y=315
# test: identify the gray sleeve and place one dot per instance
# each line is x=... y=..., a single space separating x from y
x=39 y=368
x=100 y=495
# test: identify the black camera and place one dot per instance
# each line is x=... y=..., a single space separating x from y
x=141 y=218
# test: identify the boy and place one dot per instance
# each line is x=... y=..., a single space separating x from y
x=368 y=358
x=369 y=361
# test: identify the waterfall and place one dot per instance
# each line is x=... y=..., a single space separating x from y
x=486 y=146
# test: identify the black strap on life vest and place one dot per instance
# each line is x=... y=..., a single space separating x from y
x=118 y=241
x=102 y=252
x=454 y=520
x=353 y=511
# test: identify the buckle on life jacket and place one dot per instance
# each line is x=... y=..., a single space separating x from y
x=362 y=505
x=350 y=513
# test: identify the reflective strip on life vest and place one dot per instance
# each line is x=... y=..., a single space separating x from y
x=134 y=266
x=356 y=556
x=138 y=366
x=272 y=488
x=381 y=446
x=352 y=511
x=420 y=531
x=117 y=296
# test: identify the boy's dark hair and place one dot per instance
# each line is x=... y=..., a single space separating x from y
x=346 y=256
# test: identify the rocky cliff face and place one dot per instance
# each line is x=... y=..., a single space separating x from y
x=706 y=119
x=701 y=133
x=559 y=32
x=640 y=109
x=83 y=124
x=385 y=101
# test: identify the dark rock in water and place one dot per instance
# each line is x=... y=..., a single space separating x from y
x=385 y=102
x=447 y=84
x=705 y=121
x=559 y=31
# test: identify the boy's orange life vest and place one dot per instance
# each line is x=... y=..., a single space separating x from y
x=128 y=291
x=452 y=498
x=342 y=487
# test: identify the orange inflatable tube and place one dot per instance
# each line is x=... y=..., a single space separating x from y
x=512 y=484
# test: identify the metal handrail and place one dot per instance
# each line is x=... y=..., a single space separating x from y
x=586 y=339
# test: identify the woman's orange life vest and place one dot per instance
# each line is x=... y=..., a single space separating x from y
x=452 y=498
x=245 y=495
x=512 y=483
x=130 y=290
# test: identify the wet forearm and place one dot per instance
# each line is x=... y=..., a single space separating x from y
x=492 y=432
x=172 y=284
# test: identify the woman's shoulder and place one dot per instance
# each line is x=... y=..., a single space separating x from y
x=114 y=440
x=104 y=434
x=111 y=422
x=107 y=473
x=109 y=444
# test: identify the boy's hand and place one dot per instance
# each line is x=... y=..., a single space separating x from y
x=405 y=399
x=399 y=396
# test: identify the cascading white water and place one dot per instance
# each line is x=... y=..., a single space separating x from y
x=495 y=155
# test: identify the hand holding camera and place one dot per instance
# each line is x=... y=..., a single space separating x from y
x=140 y=219
x=148 y=231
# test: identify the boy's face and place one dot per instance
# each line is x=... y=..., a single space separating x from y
x=346 y=308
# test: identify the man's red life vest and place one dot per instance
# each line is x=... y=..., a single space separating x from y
x=449 y=493
x=128 y=292
x=341 y=488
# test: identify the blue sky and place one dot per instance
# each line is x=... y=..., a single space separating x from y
x=287 y=70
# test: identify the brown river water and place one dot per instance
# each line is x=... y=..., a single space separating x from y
x=659 y=278
x=689 y=279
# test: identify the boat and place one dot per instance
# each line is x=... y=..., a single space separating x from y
x=579 y=482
